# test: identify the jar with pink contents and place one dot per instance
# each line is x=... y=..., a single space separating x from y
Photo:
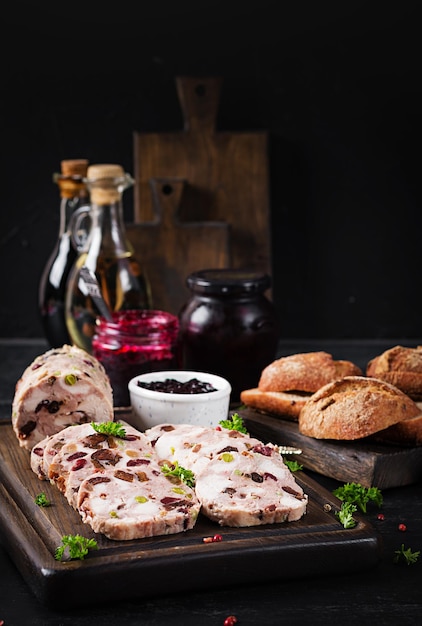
x=135 y=342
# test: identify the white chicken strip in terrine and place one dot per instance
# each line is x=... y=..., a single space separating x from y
x=249 y=489
x=142 y=502
x=61 y=387
x=88 y=452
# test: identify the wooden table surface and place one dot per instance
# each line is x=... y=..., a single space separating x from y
x=387 y=593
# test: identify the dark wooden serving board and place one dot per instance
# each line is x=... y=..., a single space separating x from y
x=315 y=545
x=365 y=462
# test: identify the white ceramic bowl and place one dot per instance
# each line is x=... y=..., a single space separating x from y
x=150 y=408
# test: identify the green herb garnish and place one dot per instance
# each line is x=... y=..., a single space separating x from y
x=177 y=471
x=75 y=547
x=234 y=423
x=354 y=493
x=109 y=428
x=406 y=554
x=42 y=500
x=345 y=515
x=293 y=466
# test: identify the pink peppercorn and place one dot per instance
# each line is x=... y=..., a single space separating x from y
x=230 y=620
x=212 y=539
x=381 y=516
x=402 y=527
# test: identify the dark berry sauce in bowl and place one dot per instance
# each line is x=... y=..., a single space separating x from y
x=178 y=397
x=171 y=385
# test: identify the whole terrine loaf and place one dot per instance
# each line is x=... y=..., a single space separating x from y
x=61 y=387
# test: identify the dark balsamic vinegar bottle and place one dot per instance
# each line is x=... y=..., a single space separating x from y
x=52 y=287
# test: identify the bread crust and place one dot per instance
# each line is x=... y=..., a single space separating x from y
x=305 y=371
x=354 y=407
x=400 y=366
x=285 y=403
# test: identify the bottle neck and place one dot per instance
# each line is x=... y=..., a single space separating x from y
x=68 y=206
x=108 y=233
x=73 y=195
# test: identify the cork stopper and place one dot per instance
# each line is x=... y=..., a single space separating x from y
x=70 y=180
x=105 y=170
x=105 y=183
x=74 y=167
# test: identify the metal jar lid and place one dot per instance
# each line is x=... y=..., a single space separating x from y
x=228 y=281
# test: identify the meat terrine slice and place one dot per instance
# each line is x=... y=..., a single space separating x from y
x=249 y=488
x=240 y=481
x=43 y=453
x=93 y=452
x=61 y=387
x=137 y=503
x=194 y=446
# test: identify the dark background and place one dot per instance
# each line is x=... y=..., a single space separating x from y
x=336 y=84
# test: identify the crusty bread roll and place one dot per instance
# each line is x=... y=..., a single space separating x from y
x=287 y=383
x=400 y=366
x=354 y=407
x=306 y=371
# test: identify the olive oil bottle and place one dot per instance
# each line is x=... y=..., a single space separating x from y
x=107 y=253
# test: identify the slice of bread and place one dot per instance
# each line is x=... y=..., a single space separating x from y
x=400 y=366
x=285 y=403
x=354 y=407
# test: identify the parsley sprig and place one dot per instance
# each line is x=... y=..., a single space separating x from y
x=109 y=428
x=345 y=514
x=177 y=471
x=293 y=466
x=75 y=547
x=406 y=554
x=355 y=493
x=234 y=423
x=42 y=500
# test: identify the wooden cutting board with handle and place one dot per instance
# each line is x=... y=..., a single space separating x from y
x=201 y=196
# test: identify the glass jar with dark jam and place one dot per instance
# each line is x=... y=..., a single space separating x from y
x=136 y=342
x=228 y=326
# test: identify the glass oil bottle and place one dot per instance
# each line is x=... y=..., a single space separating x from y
x=52 y=287
x=108 y=253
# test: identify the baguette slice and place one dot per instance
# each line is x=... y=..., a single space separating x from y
x=285 y=403
x=354 y=407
